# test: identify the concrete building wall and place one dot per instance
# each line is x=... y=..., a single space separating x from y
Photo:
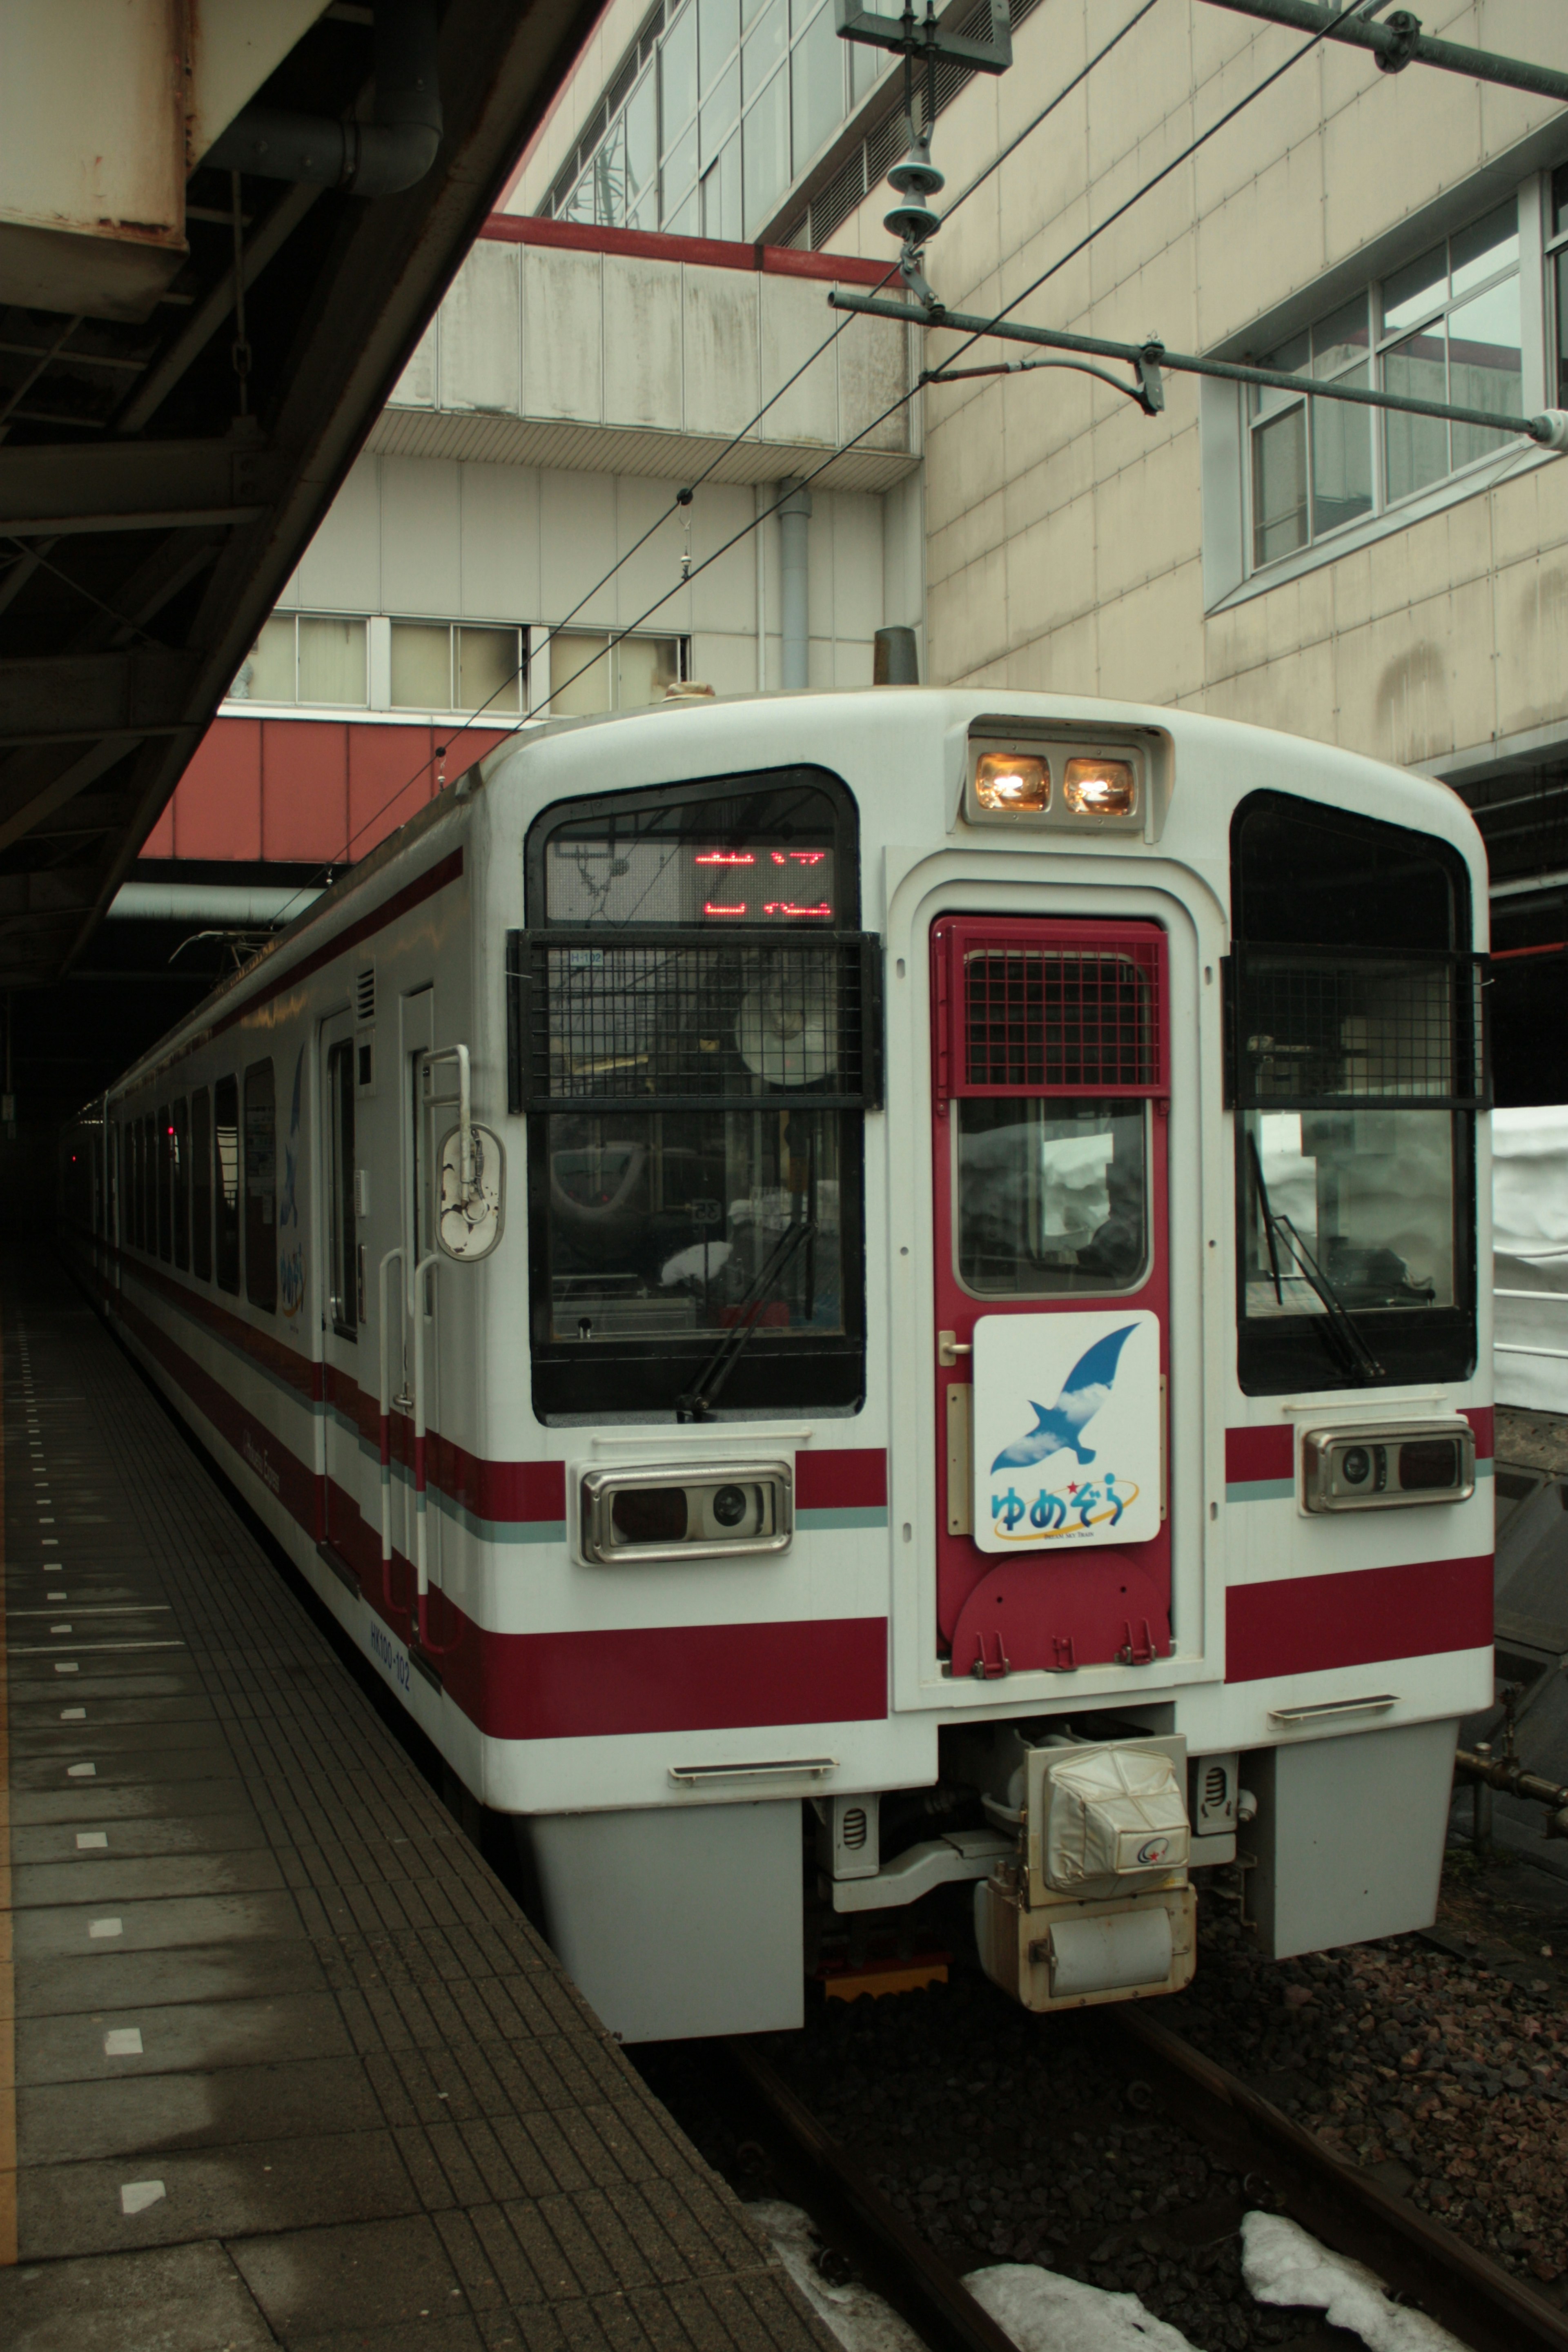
x=521 y=490
x=1067 y=532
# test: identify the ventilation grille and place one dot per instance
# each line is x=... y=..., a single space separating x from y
x=672 y=1019
x=1327 y=1031
x=1049 y=1008
x=364 y=993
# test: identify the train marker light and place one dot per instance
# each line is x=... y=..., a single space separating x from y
x=1373 y=1468
x=1101 y=788
x=1012 y=782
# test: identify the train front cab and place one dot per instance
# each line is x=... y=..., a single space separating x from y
x=1152 y=1264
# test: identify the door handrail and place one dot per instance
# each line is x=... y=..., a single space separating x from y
x=393 y=1256
x=425 y=1265
x=458 y=1054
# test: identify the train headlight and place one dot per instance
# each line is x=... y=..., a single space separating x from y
x=1012 y=783
x=1375 y=1469
x=684 y=1511
x=1101 y=788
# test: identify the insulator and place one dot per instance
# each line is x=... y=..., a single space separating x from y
x=914 y=222
x=915 y=176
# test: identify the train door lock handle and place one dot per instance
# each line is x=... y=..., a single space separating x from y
x=950 y=1347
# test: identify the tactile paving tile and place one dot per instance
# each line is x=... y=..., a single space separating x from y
x=292 y=2066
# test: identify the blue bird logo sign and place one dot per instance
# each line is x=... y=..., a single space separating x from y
x=1052 y=1486
x=1057 y=1426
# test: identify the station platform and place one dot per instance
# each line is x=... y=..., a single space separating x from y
x=290 y=2065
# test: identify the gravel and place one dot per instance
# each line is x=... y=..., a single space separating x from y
x=1007 y=2138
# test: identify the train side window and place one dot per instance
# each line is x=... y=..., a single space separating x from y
x=180 y=1141
x=164 y=1148
x=261 y=1187
x=701 y=1041
x=1356 y=1069
x=225 y=1137
x=201 y=1185
x=340 y=1186
x=147 y=1234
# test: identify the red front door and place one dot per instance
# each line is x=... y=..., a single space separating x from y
x=1050 y=1064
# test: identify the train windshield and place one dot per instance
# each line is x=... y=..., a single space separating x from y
x=1357 y=1071
x=694 y=1058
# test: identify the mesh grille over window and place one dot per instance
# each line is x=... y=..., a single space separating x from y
x=673 y=1018
x=1039 y=1008
x=1325 y=1029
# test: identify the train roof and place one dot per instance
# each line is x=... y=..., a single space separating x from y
x=692 y=735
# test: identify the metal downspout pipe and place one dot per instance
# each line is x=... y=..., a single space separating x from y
x=794 y=604
x=378 y=158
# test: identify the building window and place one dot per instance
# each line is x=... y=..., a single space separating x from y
x=1557 y=240
x=1446 y=328
x=451 y=666
x=311 y=658
x=714 y=110
x=588 y=679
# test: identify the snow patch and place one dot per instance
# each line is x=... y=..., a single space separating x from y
x=1042 y=2311
x=1282 y=2264
x=861 y=2320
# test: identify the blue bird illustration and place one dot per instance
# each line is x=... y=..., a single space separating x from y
x=1084 y=1390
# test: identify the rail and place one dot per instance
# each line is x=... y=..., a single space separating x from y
x=1480 y=2302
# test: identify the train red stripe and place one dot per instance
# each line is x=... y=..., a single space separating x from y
x=1305 y=1624
x=1253 y=1455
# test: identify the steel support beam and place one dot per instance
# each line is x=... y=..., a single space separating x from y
x=67 y=697
x=1550 y=428
x=1398 y=41
x=134 y=485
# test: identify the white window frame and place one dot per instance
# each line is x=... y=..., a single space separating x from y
x=1554 y=246
x=468 y=621
x=377 y=703
x=681 y=207
x=1225 y=425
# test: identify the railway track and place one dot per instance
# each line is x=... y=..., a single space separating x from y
x=1486 y=2307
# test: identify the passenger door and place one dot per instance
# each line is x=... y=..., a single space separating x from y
x=418 y=1037
x=1052 y=1290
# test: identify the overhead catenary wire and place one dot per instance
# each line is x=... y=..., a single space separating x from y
x=685 y=497
x=615 y=637
x=682 y=500
x=1249 y=98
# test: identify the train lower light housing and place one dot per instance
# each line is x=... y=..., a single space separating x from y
x=1008 y=782
x=1379 y=1468
x=671 y=1512
x=1101 y=788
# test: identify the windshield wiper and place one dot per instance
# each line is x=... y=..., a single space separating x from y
x=697 y=1404
x=1352 y=1351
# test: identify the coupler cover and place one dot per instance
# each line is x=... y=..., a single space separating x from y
x=1074 y=1954
x=1096 y=1906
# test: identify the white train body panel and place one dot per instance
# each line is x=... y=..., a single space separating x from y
x=835 y=1668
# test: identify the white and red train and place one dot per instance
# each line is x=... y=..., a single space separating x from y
x=849 y=1291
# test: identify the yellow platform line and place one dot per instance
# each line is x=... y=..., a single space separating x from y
x=8 y=1972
